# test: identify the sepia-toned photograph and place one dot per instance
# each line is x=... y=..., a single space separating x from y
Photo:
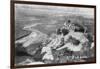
x=50 y=34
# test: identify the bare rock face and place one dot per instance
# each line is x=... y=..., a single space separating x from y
x=35 y=37
x=30 y=45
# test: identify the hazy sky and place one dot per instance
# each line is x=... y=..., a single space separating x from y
x=42 y=9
